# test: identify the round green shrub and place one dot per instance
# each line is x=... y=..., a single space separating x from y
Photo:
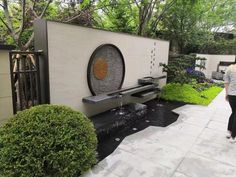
x=47 y=141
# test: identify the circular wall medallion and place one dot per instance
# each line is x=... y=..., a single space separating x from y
x=106 y=69
x=100 y=69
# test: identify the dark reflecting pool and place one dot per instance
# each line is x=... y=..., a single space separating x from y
x=112 y=127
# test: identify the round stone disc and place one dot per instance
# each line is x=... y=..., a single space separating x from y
x=106 y=69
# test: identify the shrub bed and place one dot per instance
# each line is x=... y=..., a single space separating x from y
x=47 y=140
x=186 y=93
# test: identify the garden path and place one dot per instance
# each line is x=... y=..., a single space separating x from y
x=193 y=146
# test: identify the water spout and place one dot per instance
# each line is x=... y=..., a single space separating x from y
x=121 y=109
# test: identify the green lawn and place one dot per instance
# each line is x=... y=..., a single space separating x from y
x=186 y=93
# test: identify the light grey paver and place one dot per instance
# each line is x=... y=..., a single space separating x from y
x=156 y=153
x=217 y=125
x=126 y=164
x=197 y=166
x=97 y=171
x=214 y=136
x=178 y=174
x=221 y=152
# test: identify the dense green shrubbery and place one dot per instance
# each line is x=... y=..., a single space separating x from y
x=47 y=140
x=186 y=93
x=205 y=85
x=181 y=69
x=219 y=46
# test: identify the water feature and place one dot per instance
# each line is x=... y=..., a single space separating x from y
x=121 y=109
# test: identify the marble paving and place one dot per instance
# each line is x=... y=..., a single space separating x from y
x=193 y=146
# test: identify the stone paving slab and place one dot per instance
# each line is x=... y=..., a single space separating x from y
x=98 y=171
x=193 y=146
x=178 y=174
x=126 y=164
x=195 y=165
x=156 y=153
x=214 y=136
x=221 y=152
x=217 y=125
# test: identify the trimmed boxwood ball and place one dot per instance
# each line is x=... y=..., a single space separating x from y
x=47 y=141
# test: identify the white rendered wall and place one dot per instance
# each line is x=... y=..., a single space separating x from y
x=213 y=60
x=6 y=109
x=70 y=48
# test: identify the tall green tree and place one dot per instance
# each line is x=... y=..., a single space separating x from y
x=218 y=14
x=75 y=11
x=151 y=12
x=18 y=17
x=187 y=23
x=191 y=23
x=180 y=24
x=135 y=16
x=116 y=15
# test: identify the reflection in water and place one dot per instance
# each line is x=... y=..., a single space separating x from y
x=159 y=105
x=117 y=139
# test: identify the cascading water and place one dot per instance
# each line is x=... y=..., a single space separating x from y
x=121 y=110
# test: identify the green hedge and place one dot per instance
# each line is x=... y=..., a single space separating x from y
x=186 y=93
x=47 y=140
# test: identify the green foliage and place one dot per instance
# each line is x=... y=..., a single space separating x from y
x=85 y=3
x=139 y=17
x=221 y=46
x=18 y=28
x=177 y=68
x=76 y=12
x=205 y=85
x=119 y=16
x=201 y=86
x=209 y=94
x=219 y=84
x=178 y=92
x=4 y=37
x=186 y=93
x=180 y=23
x=47 y=140
x=189 y=25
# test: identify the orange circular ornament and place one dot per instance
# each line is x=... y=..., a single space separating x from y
x=100 y=69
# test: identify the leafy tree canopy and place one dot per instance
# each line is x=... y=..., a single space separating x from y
x=188 y=24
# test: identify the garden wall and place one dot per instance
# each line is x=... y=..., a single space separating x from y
x=70 y=48
x=213 y=61
x=6 y=109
